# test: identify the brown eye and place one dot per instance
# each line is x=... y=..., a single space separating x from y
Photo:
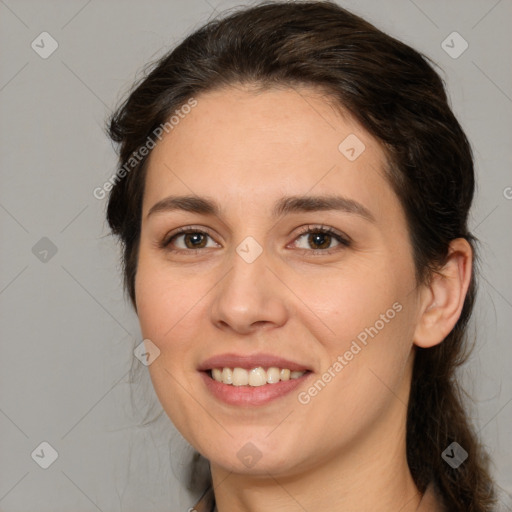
x=319 y=240
x=187 y=240
x=194 y=240
x=322 y=240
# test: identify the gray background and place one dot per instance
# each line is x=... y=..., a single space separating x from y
x=68 y=334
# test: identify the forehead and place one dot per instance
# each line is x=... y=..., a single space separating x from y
x=245 y=146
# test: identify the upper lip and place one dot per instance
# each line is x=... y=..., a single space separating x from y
x=231 y=360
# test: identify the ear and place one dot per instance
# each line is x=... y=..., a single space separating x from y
x=443 y=298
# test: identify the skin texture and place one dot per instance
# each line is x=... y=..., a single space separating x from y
x=345 y=448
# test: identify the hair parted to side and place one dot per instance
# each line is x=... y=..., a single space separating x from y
x=396 y=95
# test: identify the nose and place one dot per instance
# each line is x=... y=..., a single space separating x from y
x=250 y=296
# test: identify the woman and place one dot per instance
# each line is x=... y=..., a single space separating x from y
x=292 y=200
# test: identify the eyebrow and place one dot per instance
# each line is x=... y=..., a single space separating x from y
x=283 y=206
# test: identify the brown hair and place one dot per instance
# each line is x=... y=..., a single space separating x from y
x=396 y=95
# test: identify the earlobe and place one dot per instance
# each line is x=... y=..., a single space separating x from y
x=443 y=298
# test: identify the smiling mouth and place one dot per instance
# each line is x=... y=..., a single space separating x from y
x=254 y=377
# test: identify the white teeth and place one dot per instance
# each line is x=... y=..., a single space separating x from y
x=240 y=377
x=254 y=377
x=257 y=377
x=217 y=374
x=273 y=375
x=227 y=375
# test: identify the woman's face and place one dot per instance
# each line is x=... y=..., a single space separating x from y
x=255 y=285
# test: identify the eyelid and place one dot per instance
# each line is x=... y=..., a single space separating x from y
x=183 y=230
x=340 y=237
x=320 y=228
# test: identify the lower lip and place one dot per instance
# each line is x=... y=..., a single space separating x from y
x=251 y=395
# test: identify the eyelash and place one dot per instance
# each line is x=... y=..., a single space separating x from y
x=344 y=240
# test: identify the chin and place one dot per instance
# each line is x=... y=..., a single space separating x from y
x=254 y=462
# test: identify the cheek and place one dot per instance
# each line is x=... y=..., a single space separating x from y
x=171 y=311
x=370 y=314
x=163 y=297
x=166 y=307
x=348 y=301
x=377 y=339
x=365 y=367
